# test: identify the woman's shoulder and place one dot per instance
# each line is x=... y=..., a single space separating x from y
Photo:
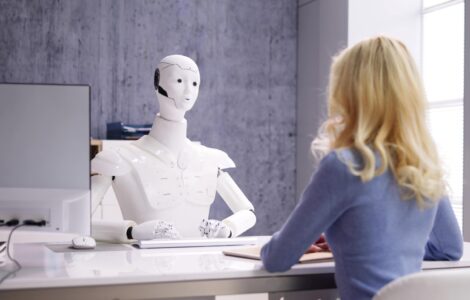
x=341 y=159
x=335 y=164
x=340 y=164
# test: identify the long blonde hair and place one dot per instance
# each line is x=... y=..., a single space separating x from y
x=377 y=106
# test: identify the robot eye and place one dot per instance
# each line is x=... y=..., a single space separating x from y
x=179 y=80
x=195 y=83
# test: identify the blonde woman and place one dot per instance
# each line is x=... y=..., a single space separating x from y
x=378 y=193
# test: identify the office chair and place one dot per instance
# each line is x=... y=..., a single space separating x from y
x=430 y=285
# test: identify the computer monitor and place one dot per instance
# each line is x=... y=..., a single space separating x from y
x=45 y=155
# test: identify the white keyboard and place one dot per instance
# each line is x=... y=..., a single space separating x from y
x=203 y=242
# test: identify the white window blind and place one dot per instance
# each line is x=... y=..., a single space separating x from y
x=443 y=63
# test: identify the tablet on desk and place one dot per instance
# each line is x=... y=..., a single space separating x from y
x=202 y=242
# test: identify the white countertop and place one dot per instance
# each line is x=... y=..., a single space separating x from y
x=43 y=267
x=124 y=264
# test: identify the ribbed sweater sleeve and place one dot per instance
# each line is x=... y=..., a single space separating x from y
x=445 y=241
x=322 y=202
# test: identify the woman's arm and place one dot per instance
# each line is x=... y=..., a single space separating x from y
x=320 y=205
x=445 y=241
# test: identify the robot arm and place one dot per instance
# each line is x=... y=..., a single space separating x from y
x=244 y=217
x=107 y=164
x=126 y=231
x=244 y=213
x=99 y=186
x=111 y=231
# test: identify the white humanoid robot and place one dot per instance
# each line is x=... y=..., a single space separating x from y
x=164 y=183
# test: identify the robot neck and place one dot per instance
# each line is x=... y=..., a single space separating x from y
x=172 y=134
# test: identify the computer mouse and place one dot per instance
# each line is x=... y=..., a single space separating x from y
x=83 y=242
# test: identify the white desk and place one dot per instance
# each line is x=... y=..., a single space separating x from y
x=123 y=272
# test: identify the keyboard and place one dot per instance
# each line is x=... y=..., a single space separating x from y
x=202 y=242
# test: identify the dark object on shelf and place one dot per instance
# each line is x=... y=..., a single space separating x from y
x=121 y=131
x=95 y=147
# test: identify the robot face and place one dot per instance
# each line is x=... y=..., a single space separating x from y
x=179 y=81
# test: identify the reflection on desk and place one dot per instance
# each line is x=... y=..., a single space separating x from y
x=127 y=273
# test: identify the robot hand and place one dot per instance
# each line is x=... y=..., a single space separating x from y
x=214 y=229
x=156 y=229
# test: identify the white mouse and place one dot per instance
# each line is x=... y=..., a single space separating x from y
x=83 y=242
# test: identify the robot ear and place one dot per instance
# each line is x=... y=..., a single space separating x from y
x=162 y=91
x=156 y=83
x=156 y=78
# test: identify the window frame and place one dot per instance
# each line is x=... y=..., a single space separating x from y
x=466 y=127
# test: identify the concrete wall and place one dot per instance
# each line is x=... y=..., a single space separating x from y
x=246 y=51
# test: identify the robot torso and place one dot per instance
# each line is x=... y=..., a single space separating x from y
x=162 y=186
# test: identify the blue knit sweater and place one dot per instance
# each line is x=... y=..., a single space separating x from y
x=375 y=236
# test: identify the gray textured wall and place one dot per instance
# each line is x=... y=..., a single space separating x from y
x=246 y=51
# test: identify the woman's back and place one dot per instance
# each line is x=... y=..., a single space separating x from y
x=367 y=239
x=374 y=235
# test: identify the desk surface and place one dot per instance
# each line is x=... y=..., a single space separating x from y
x=112 y=267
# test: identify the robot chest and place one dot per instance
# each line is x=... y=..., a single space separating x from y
x=168 y=185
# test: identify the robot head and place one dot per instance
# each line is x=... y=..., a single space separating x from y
x=176 y=83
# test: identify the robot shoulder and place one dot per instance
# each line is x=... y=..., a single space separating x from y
x=110 y=163
x=218 y=157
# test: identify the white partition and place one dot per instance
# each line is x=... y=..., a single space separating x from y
x=325 y=27
x=400 y=19
x=323 y=30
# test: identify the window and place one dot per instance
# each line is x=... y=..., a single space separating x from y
x=443 y=75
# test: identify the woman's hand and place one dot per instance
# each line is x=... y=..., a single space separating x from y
x=321 y=245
